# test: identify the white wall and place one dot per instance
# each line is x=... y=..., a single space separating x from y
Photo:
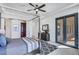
x=0 y=9
x=35 y=29
x=8 y=28
x=51 y=22
x=2 y=23
x=2 y=26
x=15 y=33
x=32 y=28
x=29 y=28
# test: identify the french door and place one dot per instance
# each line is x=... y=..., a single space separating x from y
x=67 y=30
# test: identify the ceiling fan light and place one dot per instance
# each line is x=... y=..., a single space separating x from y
x=36 y=9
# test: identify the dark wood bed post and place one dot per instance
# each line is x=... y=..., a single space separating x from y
x=39 y=29
x=39 y=35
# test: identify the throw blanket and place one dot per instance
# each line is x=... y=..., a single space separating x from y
x=31 y=44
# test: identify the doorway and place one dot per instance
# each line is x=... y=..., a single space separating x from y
x=67 y=30
x=23 y=29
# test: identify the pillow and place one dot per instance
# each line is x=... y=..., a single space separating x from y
x=35 y=38
x=2 y=40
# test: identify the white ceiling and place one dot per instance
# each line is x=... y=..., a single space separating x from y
x=49 y=7
x=19 y=10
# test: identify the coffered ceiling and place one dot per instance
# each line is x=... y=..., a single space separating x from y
x=49 y=7
x=23 y=7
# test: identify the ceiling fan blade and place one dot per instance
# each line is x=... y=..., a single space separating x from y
x=42 y=10
x=36 y=12
x=31 y=4
x=41 y=6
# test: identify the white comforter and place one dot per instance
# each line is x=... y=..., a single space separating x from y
x=32 y=44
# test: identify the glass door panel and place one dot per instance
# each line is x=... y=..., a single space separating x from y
x=70 y=31
x=60 y=30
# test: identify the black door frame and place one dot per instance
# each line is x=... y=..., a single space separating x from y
x=64 y=29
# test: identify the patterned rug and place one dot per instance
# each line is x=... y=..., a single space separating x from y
x=46 y=48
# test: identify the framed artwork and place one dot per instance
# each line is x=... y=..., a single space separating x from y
x=15 y=27
x=45 y=27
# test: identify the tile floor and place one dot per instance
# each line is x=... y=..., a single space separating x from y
x=64 y=50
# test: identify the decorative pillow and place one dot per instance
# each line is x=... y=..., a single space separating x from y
x=2 y=40
x=34 y=37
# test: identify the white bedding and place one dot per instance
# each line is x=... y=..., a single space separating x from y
x=32 y=44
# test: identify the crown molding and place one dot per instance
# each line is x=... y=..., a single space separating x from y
x=4 y=6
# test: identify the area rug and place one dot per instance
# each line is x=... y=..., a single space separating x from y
x=46 y=48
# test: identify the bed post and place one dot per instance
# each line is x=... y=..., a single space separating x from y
x=39 y=29
x=39 y=36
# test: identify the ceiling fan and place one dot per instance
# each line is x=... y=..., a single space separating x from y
x=37 y=8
